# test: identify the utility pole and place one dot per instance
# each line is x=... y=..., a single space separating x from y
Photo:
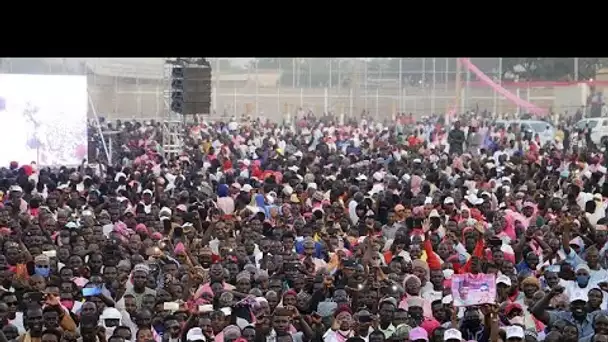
x=458 y=105
x=354 y=85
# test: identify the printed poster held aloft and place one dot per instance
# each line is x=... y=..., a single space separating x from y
x=473 y=289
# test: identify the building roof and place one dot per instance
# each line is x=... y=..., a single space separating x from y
x=154 y=68
x=142 y=68
x=150 y=68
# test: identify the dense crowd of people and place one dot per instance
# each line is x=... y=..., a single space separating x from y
x=362 y=232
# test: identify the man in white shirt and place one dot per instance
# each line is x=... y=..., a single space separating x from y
x=14 y=317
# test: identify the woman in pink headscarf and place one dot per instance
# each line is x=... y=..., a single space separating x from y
x=415 y=184
x=412 y=286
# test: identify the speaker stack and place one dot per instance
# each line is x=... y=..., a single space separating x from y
x=191 y=86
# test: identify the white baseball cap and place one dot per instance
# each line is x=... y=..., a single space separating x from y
x=15 y=188
x=195 y=334
x=580 y=296
x=452 y=334
x=503 y=279
x=514 y=331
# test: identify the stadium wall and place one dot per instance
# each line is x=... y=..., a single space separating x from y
x=128 y=98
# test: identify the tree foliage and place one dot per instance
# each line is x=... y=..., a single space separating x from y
x=552 y=69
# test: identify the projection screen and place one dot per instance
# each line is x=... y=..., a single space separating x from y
x=43 y=119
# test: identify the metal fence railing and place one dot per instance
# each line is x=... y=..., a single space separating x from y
x=277 y=88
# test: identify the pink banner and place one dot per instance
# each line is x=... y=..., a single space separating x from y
x=540 y=84
x=529 y=107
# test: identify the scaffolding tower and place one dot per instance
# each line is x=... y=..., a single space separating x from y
x=173 y=126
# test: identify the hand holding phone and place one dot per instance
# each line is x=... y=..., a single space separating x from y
x=205 y=308
x=52 y=299
x=91 y=291
x=35 y=297
x=50 y=254
x=170 y=306
x=365 y=319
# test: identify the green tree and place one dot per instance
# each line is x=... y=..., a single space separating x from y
x=552 y=69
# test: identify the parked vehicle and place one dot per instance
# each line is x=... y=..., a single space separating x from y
x=544 y=129
x=598 y=127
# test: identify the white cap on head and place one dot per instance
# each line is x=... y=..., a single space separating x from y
x=515 y=331
x=452 y=334
x=579 y=296
x=195 y=334
x=503 y=279
x=164 y=211
x=15 y=188
x=111 y=313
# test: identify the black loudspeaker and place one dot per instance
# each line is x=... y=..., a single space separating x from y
x=191 y=90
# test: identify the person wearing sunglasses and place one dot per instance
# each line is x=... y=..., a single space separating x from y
x=14 y=317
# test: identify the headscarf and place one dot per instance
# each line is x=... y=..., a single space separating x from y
x=260 y=202
x=531 y=281
x=415 y=184
x=223 y=190
x=423 y=265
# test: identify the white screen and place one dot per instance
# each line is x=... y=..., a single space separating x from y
x=43 y=119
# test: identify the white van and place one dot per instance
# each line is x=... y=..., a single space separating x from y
x=599 y=129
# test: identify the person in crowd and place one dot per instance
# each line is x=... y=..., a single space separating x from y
x=324 y=232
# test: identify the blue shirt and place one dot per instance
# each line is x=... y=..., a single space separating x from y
x=585 y=328
x=318 y=249
x=573 y=259
x=523 y=268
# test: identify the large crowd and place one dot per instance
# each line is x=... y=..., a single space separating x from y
x=409 y=230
